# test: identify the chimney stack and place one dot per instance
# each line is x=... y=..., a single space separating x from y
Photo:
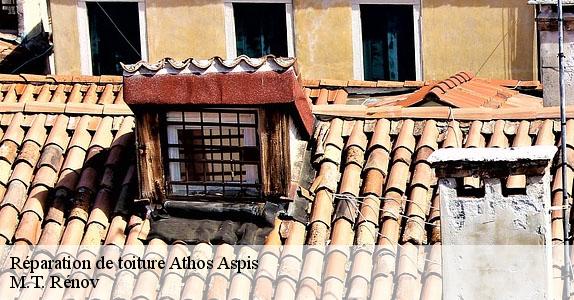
x=547 y=25
x=496 y=241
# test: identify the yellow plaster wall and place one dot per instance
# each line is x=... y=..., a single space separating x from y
x=491 y=38
x=185 y=28
x=65 y=35
x=323 y=38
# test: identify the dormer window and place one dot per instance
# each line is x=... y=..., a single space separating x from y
x=213 y=153
x=214 y=140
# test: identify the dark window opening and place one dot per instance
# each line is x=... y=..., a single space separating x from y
x=260 y=29
x=114 y=35
x=388 y=42
x=470 y=187
x=567 y=9
x=213 y=153
x=8 y=15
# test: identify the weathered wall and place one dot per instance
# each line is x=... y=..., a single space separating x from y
x=491 y=38
x=323 y=38
x=66 y=38
x=482 y=236
x=33 y=16
x=184 y=28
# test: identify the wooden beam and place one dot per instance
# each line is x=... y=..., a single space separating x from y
x=150 y=164
x=275 y=159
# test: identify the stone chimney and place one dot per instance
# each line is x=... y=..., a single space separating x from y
x=547 y=24
x=496 y=242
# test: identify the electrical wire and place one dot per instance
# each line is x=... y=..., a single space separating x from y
x=32 y=59
x=376 y=233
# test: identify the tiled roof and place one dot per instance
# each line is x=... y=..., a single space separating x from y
x=68 y=177
x=334 y=83
x=95 y=95
x=384 y=163
x=355 y=91
x=465 y=90
x=461 y=90
x=67 y=173
x=53 y=158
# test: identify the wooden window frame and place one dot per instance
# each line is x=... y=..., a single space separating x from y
x=230 y=37
x=274 y=171
x=84 y=33
x=358 y=64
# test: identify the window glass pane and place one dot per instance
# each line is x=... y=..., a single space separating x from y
x=210 y=117
x=174 y=116
x=260 y=29
x=388 y=42
x=229 y=118
x=247 y=118
x=114 y=35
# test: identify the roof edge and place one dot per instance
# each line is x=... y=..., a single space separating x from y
x=443 y=113
x=215 y=64
x=33 y=78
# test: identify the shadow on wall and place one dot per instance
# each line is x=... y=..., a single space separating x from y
x=29 y=56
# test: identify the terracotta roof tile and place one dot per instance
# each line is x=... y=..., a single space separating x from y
x=59 y=96
x=417 y=209
x=91 y=95
x=332 y=82
x=464 y=90
x=453 y=135
x=520 y=139
x=359 y=83
x=172 y=279
x=62 y=174
x=195 y=280
x=390 y=84
x=103 y=136
x=498 y=138
x=15 y=132
x=8 y=223
x=10 y=95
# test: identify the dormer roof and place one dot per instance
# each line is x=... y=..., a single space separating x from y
x=268 y=80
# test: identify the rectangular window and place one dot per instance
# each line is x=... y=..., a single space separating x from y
x=114 y=35
x=388 y=42
x=8 y=15
x=260 y=29
x=213 y=152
